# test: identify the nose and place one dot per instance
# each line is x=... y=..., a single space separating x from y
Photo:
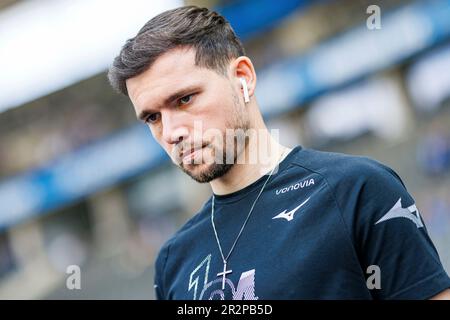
x=174 y=130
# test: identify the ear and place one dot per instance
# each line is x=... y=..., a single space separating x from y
x=242 y=67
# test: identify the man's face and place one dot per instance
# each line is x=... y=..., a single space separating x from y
x=188 y=109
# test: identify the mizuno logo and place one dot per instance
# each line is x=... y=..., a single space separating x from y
x=290 y=215
x=397 y=211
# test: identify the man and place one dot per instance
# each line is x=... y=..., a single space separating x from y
x=298 y=224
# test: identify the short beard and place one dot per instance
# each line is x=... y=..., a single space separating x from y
x=217 y=170
x=214 y=171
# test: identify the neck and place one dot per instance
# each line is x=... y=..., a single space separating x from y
x=245 y=171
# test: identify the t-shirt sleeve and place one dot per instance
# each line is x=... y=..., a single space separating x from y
x=391 y=238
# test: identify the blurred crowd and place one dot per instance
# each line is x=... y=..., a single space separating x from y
x=55 y=125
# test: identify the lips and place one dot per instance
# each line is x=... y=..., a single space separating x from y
x=190 y=153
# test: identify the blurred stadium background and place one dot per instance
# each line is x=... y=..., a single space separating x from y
x=82 y=182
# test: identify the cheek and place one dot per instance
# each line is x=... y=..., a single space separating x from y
x=167 y=148
x=156 y=134
x=219 y=113
x=215 y=120
x=158 y=137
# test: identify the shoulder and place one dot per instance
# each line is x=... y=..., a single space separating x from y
x=344 y=170
x=361 y=186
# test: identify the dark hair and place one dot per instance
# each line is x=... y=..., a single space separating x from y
x=206 y=31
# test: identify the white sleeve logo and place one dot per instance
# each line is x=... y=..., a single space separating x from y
x=411 y=213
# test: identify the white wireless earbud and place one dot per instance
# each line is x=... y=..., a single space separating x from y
x=245 y=88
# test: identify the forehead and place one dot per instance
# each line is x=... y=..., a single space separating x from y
x=170 y=72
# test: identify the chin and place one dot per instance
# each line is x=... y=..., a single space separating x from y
x=204 y=173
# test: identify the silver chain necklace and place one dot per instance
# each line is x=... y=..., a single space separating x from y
x=225 y=259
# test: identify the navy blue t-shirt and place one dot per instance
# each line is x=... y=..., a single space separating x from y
x=327 y=226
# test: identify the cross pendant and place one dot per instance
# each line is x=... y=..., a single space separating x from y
x=223 y=274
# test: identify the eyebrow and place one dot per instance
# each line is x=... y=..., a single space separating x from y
x=175 y=96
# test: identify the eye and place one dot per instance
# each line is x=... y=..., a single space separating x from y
x=152 y=118
x=186 y=99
